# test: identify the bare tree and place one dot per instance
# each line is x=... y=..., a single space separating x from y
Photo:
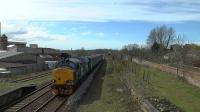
x=179 y=53
x=170 y=36
x=161 y=35
x=131 y=49
x=141 y=54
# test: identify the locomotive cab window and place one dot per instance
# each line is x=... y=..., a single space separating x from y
x=67 y=64
x=71 y=65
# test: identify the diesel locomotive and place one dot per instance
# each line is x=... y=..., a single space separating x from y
x=71 y=72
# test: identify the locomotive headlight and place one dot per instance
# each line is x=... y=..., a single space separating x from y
x=53 y=81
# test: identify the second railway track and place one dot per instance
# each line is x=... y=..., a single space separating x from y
x=41 y=101
x=39 y=75
x=33 y=101
x=52 y=105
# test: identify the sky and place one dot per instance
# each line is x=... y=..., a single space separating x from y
x=92 y=24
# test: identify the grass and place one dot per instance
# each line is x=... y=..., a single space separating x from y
x=107 y=94
x=177 y=91
x=16 y=77
x=162 y=84
x=6 y=85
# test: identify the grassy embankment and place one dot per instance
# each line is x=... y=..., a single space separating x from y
x=151 y=82
x=107 y=94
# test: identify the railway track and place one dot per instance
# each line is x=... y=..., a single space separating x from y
x=43 y=101
x=52 y=105
x=39 y=75
x=34 y=99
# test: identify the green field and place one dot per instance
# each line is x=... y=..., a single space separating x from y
x=151 y=82
x=177 y=91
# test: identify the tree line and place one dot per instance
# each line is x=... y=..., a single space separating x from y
x=163 y=45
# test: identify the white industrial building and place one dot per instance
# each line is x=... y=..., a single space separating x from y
x=17 y=58
x=20 y=63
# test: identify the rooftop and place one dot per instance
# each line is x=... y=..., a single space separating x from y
x=11 y=42
x=4 y=54
x=4 y=36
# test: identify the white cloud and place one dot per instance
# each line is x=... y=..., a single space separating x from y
x=30 y=33
x=100 y=10
x=36 y=33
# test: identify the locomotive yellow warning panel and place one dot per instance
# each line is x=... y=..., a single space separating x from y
x=62 y=76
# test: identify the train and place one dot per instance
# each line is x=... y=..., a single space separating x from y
x=70 y=72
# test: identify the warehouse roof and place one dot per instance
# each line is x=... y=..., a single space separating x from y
x=5 y=54
x=12 y=42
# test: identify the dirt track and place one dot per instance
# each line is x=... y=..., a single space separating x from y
x=192 y=76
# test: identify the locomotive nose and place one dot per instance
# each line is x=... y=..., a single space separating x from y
x=62 y=75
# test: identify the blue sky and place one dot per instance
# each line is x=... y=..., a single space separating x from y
x=66 y=24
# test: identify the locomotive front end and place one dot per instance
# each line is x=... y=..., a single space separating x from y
x=63 y=81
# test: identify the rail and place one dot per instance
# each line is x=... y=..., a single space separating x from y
x=19 y=103
x=32 y=77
